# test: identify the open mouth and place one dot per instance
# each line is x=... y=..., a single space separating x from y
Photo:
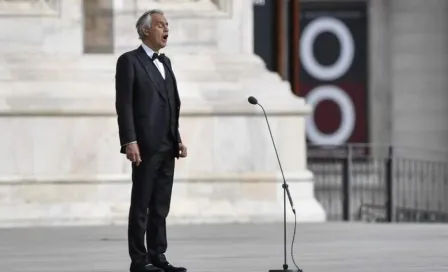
x=165 y=37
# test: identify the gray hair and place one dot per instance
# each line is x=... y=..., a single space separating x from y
x=145 y=21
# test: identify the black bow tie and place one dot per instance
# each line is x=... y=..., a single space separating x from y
x=158 y=56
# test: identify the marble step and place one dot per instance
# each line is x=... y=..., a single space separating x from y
x=190 y=68
x=94 y=61
x=107 y=88
x=65 y=75
x=87 y=98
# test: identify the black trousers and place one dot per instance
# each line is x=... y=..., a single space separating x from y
x=152 y=183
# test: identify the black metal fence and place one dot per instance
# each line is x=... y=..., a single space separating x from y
x=380 y=184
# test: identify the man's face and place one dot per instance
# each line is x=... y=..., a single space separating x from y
x=158 y=32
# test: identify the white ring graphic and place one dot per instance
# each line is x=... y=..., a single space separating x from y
x=345 y=59
x=348 y=118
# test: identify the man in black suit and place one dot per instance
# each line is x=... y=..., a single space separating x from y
x=148 y=105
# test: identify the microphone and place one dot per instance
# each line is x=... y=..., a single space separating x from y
x=252 y=100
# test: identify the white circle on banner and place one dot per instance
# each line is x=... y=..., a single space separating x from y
x=346 y=55
x=348 y=118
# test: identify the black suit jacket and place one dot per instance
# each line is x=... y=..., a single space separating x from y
x=141 y=104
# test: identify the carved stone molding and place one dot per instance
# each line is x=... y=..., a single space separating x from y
x=177 y=8
x=224 y=5
x=30 y=7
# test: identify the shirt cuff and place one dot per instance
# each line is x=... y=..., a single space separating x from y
x=129 y=143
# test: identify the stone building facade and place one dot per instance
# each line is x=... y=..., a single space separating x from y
x=60 y=162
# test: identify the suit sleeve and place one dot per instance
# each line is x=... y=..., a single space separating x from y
x=124 y=81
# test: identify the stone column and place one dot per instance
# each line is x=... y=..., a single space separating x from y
x=380 y=94
x=419 y=82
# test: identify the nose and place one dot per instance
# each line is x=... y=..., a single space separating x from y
x=165 y=27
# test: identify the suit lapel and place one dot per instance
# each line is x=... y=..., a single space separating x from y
x=150 y=69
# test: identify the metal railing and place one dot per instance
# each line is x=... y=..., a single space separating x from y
x=381 y=184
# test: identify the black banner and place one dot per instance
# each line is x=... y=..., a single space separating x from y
x=333 y=57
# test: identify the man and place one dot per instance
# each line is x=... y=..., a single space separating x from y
x=148 y=105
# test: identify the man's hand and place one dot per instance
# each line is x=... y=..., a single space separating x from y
x=182 y=150
x=133 y=153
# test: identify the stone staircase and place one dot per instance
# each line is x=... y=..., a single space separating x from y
x=93 y=75
x=94 y=68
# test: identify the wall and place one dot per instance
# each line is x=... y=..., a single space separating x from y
x=408 y=82
x=380 y=92
x=419 y=66
x=40 y=29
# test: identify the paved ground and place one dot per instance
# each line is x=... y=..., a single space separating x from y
x=207 y=248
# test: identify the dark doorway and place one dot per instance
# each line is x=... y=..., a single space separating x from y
x=264 y=32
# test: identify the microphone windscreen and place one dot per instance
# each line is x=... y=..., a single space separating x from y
x=252 y=100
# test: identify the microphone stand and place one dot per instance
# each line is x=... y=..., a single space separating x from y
x=285 y=192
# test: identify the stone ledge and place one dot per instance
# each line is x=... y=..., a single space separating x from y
x=227 y=200
x=171 y=220
x=197 y=103
x=20 y=78
x=109 y=61
x=125 y=178
x=75 y=70
x=223 y=110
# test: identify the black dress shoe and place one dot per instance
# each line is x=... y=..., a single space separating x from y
x=167 y=267
x=145 y=268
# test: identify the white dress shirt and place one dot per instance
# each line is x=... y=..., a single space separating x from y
x=156 y=62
